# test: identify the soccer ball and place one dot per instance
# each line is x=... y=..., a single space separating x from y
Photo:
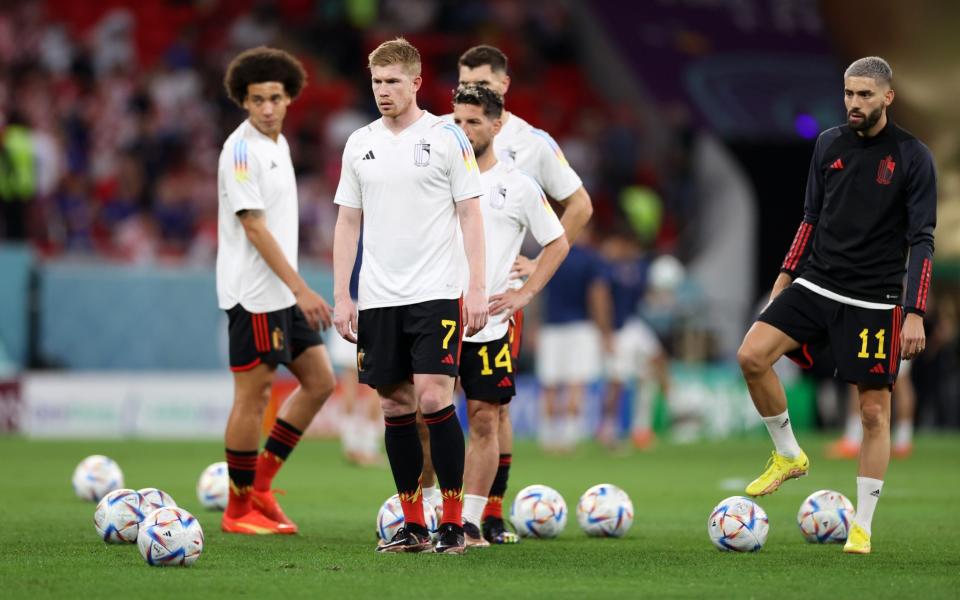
x=96 y=476
x=390 y=518
x=605 y=511
x=538 y=511
x=170 y=536
x=213 y=488
x=154 y=499
x=738 y=524
x=825 y=517
x=118 y=516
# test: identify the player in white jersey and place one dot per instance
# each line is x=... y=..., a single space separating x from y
x=413 y=178
x=536 y=153
x=274 y=316
x=512 y=203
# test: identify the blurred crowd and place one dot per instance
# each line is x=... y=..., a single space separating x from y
x=112 y=116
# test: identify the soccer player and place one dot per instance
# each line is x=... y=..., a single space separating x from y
x=534 y=152
x=412 y=177
x=637 y=355
x=273 y=314
x=512 y=204
x=869 y=214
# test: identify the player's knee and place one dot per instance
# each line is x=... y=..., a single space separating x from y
x=873 y=417
x=319 y=388
x=484 y=421
x=752 y=362
x=433 y=398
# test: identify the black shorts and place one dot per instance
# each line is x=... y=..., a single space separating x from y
x=864 y=342
x=488 y=369
x=396 y=342
x=277 y=337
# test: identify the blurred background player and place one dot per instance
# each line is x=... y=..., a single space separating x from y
x=869 y=215
x=273 y=313
x=361 y=424
x=412 y=178
x=904 y=408
x=576 y=323
x=512 y=204
x=637 y=356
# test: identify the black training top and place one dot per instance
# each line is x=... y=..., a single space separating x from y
x=869 y=202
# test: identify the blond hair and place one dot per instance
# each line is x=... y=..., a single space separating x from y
x=396 y=52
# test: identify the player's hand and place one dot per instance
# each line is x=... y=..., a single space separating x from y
x=314 y=308
x=912 y=338
x=508 y=302
x=523 y=267
x=474 y=312
x=345 y=319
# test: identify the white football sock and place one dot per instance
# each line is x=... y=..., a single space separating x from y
x=473 y=508
x=781 y=432
x=868 y=493
x=643 y=407
x=854 y=429
x=349 y=432
x=432 y=494
x=903 y=433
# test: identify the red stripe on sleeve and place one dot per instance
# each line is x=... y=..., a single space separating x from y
x=924 y=287
x=807 y=229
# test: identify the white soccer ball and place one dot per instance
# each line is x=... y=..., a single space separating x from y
x=154 y=499
x=538 y=511
x=738 y=524
x=605 y=511
x=118 y=516
x=825 y=517
x=390 y=518
x=170 y=536
x=95 y=477
x=213 y=487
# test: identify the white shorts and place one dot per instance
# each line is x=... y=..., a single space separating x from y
x=343 y=354
x=568 y=353
x=635 y=345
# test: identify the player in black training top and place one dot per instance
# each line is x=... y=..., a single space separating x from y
x=869 y=213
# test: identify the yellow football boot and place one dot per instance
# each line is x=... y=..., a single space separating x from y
x=779 y=469
x=858 y=542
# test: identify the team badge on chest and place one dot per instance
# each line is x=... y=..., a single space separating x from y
x=498 y=196
x=421 y=153
x=885 y=170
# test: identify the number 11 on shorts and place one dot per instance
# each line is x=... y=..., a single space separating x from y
x=865 y=338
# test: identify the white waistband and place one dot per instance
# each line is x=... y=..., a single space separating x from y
x=842 y=299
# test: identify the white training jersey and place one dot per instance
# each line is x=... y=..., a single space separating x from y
x=512 y=203
x=535 y=152
x=254 y=173
x=406 y=184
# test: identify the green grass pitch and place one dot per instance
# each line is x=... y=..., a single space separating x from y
x=49 y=547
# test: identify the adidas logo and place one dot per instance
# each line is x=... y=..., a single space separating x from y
x=837 y=164
x=369 y=156
x=273 y=165
x=448 y=359
x=785 y=423
x=878 y=369
x=505 y=382
x=875 y=493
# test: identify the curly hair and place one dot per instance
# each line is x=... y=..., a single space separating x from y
x=487 y=99
x=262 y=64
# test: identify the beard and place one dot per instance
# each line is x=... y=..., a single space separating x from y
x=868 y=120
x=479 y=151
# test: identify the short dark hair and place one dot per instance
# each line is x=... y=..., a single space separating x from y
x=487 y=99
x=484 y=55
x=262 y=64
